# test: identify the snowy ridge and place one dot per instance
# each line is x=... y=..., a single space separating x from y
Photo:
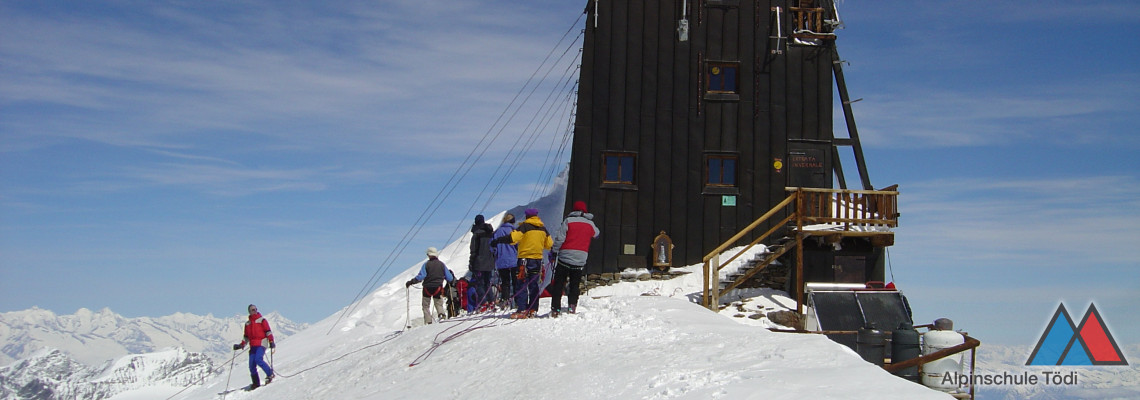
x=635 y=339
x=93 y=338
x=51 y=374
x=1110 y=382
x=640 y=339
x=622 y=346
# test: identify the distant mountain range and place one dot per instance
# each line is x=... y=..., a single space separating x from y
x=49 y=374
x=93 y=338
x=95 y=355
x=1102 y=382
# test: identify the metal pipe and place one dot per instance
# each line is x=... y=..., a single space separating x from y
x=596 y=12
x=970 y=343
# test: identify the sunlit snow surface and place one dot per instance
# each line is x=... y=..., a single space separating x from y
x=633 y=340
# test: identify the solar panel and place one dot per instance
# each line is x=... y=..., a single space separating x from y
x=851 y=310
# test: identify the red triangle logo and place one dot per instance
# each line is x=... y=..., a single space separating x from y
x=1102 y=347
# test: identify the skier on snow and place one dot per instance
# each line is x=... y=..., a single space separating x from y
x=257 y=330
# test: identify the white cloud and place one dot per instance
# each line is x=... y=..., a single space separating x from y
x=932 y=117
x=347 y=79
x=1029 y=224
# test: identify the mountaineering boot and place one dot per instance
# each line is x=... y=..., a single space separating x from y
x=269 y=379
x=520 y=315
x=554 y=313
x=256 y=382
x=573 y=309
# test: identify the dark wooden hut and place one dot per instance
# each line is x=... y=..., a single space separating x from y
x=695 y=115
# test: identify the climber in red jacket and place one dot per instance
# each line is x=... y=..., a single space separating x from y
x=257 y=330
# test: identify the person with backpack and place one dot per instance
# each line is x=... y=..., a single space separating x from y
x=506 y=259
x=532 y=240
x=570 y=250
x=434 y=274
x=256 y=331
x=460 y=296
x=482 y=262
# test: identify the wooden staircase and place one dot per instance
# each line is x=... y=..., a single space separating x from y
x=758 y=264
x=834 y=213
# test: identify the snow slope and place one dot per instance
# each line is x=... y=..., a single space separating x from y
x=635 y=339
x=617 y=347
x=643 y=339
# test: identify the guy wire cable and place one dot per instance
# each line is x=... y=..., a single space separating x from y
x=527 y=133
x=501 y=130
x=552 y=156
x=527 y=145
x=510 y=171
x=421 y=221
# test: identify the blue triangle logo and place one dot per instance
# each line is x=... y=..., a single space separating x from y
x=1056 y=341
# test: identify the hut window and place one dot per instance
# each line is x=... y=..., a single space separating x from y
x=722 y=77
x=721 y=169
x=722 y=3
x=618 y=167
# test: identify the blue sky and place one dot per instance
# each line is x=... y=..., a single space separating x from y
x=197 y=157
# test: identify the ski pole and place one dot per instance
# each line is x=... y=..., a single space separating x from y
x=227 y=389
x=407 y=308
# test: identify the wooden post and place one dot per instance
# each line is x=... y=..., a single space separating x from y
x=705 y=298
x=714 y=271
x=799 y=251
x=973 y=361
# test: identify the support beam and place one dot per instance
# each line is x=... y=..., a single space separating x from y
x=849 y=117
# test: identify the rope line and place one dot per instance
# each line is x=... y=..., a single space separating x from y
x=437 y=343
x=890 y=265
x=387 y=339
